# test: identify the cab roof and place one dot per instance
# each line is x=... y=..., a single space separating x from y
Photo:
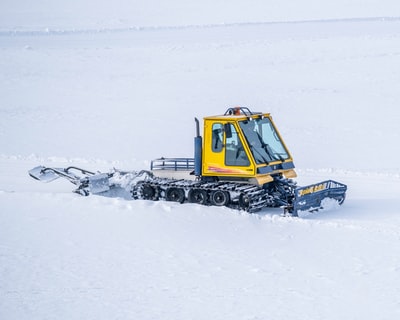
x=237 y=113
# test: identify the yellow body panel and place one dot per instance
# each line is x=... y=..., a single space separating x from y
x=227 y=154
x=290 y=174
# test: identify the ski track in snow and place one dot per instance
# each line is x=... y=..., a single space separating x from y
x=49 y=31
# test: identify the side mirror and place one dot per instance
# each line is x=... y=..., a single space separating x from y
x=228 y=131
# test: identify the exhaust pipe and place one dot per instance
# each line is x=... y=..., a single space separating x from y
x=198 y=148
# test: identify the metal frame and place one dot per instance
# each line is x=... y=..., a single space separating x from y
x=175 y=164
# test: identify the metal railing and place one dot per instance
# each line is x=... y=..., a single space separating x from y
x=175 y=164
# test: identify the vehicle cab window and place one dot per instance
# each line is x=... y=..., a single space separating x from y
x=235 y=154
x=217 y=137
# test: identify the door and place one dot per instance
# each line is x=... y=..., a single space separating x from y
x=223 y=152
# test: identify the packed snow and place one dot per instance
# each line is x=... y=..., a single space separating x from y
x=101 y=85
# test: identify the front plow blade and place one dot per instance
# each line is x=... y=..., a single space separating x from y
x=309 y=198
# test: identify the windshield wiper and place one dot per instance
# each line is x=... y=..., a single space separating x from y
x=275 y=155
x=268 y=149
x=261 y=155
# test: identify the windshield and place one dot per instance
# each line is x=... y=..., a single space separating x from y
x=263 y=141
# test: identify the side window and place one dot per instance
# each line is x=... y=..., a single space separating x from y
x=235 y=154
x=217 y=137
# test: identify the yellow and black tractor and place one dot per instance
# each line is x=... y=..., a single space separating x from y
x=240 y=162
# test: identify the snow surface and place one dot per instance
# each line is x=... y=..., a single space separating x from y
x=96 y=85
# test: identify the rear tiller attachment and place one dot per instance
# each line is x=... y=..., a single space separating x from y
x=87 y=181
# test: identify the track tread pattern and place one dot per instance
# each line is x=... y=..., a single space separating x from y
x=256 y=197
